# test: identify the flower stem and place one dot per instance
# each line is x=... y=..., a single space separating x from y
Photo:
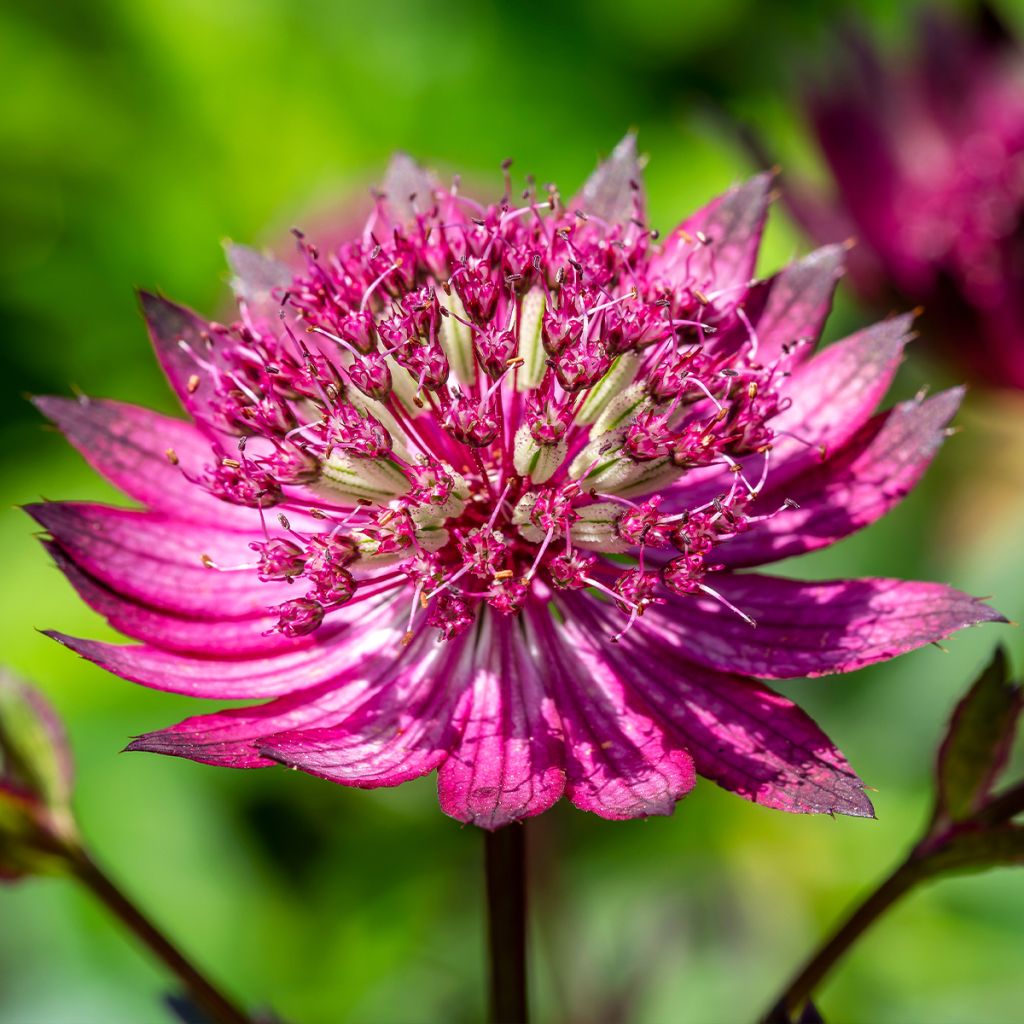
x=800 y=989
x=505 y=860
x=219 y=1007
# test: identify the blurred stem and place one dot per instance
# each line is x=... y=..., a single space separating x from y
x=1002 y=807
x=800 y=989
x=205 y=994
x=505 y=861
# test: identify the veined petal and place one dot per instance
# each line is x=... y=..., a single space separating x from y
x=619 y=761
x=190 y=355
x=205 y=636
x=508 y=764
x=613 y=192
x=731 y=226
x=834 y=394
x=797 y=302
x=405 y=730
x=360 y=648
x=158 y=561
x=408 y=188
x=234 y=738
x=858 y=485
x=741 y=734
x=807 y=628
x=133 y=448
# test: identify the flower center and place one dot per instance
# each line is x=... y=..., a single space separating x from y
x=480 y=405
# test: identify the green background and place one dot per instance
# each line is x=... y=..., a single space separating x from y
x=136 y=135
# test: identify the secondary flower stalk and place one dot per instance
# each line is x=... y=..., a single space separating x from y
x=473 y=492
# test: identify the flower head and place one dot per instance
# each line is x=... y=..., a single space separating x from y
x=927 y=155
x=469 y=494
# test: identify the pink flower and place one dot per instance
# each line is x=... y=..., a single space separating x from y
x=470 y=494
x=927 y=155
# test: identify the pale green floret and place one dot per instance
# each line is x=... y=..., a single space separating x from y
x=376 y=409
x=521 y=518
x=622 y=373
x=403 y=384
x=620 y=410
x=377 y=480
x=531 y=345
x=456 y=338
x=596 y=527
x=537 y=461
x=656 y=475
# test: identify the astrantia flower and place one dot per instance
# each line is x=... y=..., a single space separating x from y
x=470 y=494
x=927 y=154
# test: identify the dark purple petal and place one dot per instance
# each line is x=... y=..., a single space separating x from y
x=130 y=447
x=808 y=628
x=508 y=764
x=619 y=761
x=849 y=491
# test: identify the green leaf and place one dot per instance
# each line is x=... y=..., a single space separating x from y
x=977 y=850
x=978 y=741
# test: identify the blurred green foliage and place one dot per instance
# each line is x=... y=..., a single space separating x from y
x=134 y=137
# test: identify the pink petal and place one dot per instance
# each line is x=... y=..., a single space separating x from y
x=207 y=636
x=733 y=224
x=129 y=446
x=620 y=763
x=186 y=349
x=408 y=187
x=852 y=489
x=508 y=764
x=808 y=628
x=742 y=735
x=358 y=647
x=835 y=393
x=234 y=738
x=258 y=281
x=798 y=301
x=405 y=730
x=157 y=560
x=613 y=193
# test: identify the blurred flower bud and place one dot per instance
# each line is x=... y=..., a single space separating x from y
x=36 y=824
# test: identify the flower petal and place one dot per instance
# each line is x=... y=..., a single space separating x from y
x=798 y=301
x=834 y=393
x=613 y=192
x=206 y=636
x=234 y=738
x=852 y=489
x=158 y=561
x=619 y=762
x=508 y=764
x=406 y=729
x=191 y=356
x=807 y=628
x=408 y=188
x=130 y=445
x=744 y=736
x=732 y=225
x=359 y=648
